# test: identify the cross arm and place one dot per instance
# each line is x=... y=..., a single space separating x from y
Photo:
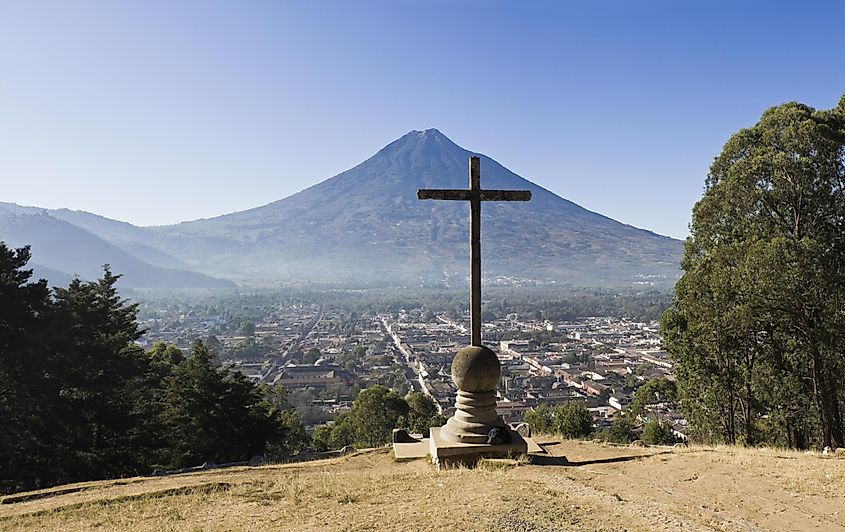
x=465 y=195
x=505 y=195
x=443 y=194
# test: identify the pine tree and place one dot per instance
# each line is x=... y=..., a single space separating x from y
x=96 y=373
x=23 y=416
x=212 y=415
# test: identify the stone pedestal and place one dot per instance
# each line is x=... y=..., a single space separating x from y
x=476 y=430
x=475 y=416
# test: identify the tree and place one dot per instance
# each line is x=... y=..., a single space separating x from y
x=620 y=431
x=654 y=391
x=288 y=434
x=756 y=326
x=321 y=439
x=213 y=415
x=311 y=356
x=540 y=419
x=657 y=432
x=572 y=420
x=375 y=412
x=24 y=411
x=247 y=328
x=343 y=431
x=422 y=414
x=80 y=400
x=96 y=371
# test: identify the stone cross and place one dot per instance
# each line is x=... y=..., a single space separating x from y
x=475 y=195
x=476 y=368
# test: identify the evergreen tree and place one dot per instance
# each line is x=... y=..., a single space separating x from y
x=212 y=415
x=24 y=416
x=79 y=400
x=95 y=374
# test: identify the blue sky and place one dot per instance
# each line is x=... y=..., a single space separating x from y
x=158 y=112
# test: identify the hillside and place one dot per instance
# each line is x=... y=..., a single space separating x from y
x=61 y=250
x=599 y=488
x=366 y=223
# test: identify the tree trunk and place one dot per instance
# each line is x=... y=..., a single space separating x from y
x=822 y=395
x=835 y=415
x=747 y=407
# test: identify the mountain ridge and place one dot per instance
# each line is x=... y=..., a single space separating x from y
x=62 y=250
x=365 y=224
x=351 y=211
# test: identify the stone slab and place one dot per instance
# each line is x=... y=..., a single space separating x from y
x=422 y=449
x=409 y=451
x=445 y=452
x=534 y=447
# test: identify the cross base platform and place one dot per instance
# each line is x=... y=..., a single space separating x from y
x=448 y=453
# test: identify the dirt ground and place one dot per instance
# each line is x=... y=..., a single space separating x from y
x=594 y=487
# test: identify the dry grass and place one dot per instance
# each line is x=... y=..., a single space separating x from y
x=601 y=488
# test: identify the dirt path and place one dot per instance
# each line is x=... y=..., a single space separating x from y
x=722 y=489
x=595 y=488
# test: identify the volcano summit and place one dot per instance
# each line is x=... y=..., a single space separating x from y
x=366 y=225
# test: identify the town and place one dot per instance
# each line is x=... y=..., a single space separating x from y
x=323 y=355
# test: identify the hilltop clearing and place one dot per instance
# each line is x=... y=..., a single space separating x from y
x=601 y=488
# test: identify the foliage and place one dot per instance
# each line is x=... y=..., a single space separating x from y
x=212 y=415
x=656 y=432
x=654 y=391
x=620 y=431
x=80 y=400
x=422 y=414
x=570 y=420
x=374 y=415
x=375 y=412
x=23 y=305
x=756 y=328
x=541 y=419
x=247 y=328
x=321 y=439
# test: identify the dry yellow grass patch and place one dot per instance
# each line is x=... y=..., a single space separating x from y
x=601 y=488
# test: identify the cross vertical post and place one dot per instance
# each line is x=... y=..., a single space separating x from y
x=475 y=368
x=474 y=195
x=475 y=249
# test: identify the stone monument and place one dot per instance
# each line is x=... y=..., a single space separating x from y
x=475 y=430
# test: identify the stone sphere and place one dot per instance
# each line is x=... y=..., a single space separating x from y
x=476 y=369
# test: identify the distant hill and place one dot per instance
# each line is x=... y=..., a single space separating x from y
x=595 y=488
x=61 y=250
x=367 y=225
